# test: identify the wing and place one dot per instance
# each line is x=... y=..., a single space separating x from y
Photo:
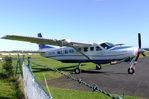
x=37 y=40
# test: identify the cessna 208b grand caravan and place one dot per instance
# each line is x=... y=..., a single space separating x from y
x=75 y=52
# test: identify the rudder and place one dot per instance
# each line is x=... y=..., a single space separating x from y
x=42 y=46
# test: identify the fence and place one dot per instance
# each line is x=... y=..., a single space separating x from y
x=32 y=89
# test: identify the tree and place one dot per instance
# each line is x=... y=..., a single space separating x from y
x=7 y=66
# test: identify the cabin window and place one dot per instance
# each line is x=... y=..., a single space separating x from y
x=85 y=49
x=71 y=51
x=91 y=48
x=98 y=48
x=51 y=53
x=66 y=51
x=59 y=52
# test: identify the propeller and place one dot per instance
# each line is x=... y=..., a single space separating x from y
x=143 y=54
x=140 y=50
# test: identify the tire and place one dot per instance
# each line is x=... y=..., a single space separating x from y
x=131 y=71
x=77 y=70
x=98 y=67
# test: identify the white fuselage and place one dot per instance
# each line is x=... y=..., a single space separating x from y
x=96 y=53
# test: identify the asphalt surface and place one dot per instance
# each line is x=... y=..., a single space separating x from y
x=114 y=79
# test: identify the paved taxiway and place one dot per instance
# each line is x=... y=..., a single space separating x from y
x=114 y=79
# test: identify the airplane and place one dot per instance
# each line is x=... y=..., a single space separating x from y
x=76 y=52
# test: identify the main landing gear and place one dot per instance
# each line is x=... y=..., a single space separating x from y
x=77 y=70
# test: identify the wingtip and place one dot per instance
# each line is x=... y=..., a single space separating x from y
x=4 y=37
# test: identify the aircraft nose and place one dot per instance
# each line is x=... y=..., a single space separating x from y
x=135 y=50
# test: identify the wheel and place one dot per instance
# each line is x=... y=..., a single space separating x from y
x=77 y=70
x=131 y=70
x=98 y=67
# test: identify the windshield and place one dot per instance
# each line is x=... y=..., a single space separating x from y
x=107 y=45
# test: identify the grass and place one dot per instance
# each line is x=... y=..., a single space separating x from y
x=146 y=53
x=7 y=88
x=58 y=93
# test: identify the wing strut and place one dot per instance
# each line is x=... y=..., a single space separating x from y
x=81 y=53
x=63 y=42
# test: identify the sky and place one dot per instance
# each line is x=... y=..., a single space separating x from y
x=89 y=21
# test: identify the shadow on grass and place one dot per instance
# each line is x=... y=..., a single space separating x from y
x=1 y=97
x=66 y=68
x=71 y=70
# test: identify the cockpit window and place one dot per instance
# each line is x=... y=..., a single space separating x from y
x=107 y=45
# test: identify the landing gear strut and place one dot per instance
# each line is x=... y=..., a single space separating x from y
x=98 y=67
x=77 y=70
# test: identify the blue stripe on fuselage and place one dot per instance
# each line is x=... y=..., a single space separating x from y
x=93 y=61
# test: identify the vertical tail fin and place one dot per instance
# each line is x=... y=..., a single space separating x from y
x=39 y=35
x=41 y=46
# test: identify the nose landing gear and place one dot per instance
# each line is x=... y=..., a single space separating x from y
x=131 y=69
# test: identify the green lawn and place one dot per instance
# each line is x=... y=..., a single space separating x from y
x=7 y=89
x=58 y=93
x=146 y=53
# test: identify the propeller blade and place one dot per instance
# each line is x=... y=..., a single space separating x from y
x=139 y=40
x=143 y=54
x=140 y=50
